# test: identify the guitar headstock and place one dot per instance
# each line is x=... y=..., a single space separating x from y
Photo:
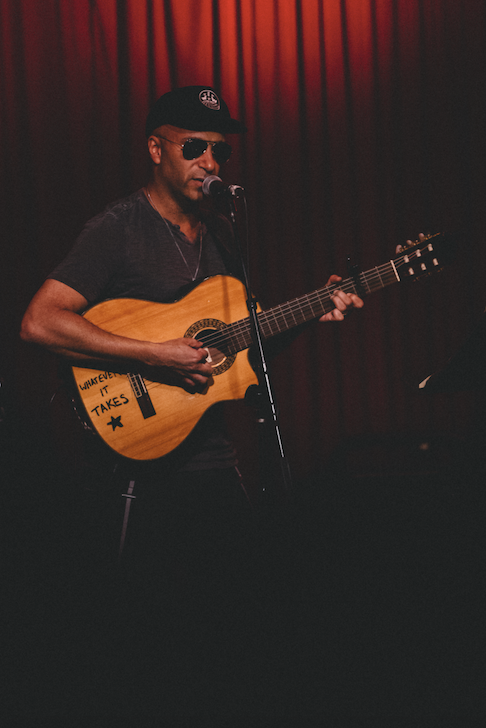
x=424 y=256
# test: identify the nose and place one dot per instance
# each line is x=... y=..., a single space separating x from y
x=207 y=161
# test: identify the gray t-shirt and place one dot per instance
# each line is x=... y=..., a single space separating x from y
x=130 y=251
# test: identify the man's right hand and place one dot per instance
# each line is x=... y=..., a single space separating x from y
x=186 y=358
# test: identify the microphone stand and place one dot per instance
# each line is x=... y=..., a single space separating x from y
x=257 y=339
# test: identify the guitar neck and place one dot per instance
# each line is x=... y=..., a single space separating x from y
x=317 y=303
x=415 y=260
x=306 y=308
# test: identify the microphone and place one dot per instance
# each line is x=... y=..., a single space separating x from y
x=214 y=187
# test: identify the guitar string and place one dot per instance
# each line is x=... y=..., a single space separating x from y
x=241 y=328
x=305 y=301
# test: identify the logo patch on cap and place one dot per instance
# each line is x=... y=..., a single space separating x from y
x=209 y=99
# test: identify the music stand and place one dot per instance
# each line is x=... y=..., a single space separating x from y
x=465 y=371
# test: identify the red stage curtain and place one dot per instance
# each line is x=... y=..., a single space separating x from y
x=367 y=126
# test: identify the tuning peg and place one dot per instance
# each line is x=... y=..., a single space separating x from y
x=410 y=243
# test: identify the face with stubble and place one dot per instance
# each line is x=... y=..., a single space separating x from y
x=181 y=178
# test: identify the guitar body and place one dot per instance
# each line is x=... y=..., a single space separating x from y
x=145 y=419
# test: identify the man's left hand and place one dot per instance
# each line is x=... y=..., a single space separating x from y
x=344 y=302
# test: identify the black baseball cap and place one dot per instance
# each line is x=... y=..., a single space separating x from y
x=197 y=108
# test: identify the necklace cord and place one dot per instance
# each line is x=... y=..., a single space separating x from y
x=193 y=276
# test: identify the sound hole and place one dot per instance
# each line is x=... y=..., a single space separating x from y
x=219 y=359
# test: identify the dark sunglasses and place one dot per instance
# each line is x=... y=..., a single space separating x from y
x=194 y=148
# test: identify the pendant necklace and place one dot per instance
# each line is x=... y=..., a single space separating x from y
x=193 y=277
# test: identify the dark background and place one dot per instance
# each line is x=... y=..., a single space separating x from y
x=366 y=127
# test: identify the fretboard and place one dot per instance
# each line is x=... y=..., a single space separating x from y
x=237 y=336
x=416 y=260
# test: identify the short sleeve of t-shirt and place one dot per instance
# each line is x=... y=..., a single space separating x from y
x=130 y=251
x=96 y=259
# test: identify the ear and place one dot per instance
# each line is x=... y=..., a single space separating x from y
x=154 y=149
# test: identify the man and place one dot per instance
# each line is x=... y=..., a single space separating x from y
x=186 y=535
x=149 y=246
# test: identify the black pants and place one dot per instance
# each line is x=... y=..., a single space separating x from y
x=188 y=536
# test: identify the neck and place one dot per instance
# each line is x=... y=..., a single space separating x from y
x=187 y=217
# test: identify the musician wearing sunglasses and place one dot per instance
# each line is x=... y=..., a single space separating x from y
x=151 y=246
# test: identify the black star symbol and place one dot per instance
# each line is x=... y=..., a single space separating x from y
x=115 y=422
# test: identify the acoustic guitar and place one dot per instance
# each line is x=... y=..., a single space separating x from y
x=142 y=417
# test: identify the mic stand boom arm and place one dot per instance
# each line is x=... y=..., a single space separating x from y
x=257 y=339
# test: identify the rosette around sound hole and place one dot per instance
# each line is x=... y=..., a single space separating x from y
x=211 y=333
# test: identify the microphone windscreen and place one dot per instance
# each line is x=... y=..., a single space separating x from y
x=212 y=185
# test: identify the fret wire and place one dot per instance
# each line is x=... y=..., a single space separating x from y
x=266 y=321
x=236 y=336
x=239 y=331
